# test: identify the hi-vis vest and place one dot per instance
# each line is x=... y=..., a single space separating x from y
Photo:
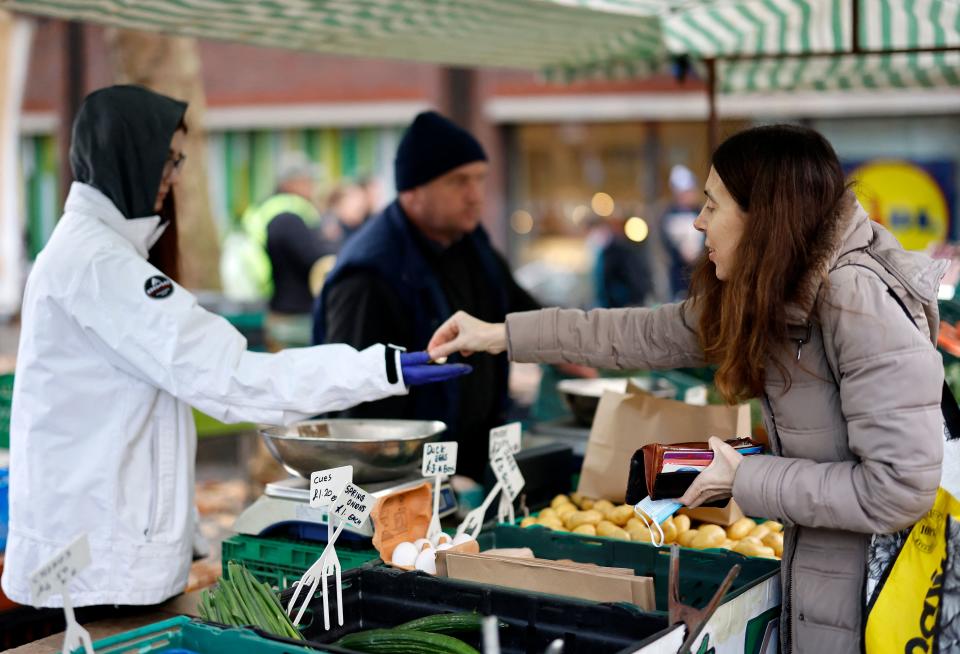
x=247 y=273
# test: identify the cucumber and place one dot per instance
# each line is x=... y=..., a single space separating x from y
x=445 y=623
x=401 y=641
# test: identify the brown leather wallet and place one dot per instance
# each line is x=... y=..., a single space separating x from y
x=646 y=468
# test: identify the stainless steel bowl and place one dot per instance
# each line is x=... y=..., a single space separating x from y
x=378 y=450
x=583 y=395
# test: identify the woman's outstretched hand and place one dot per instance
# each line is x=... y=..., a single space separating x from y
x=465 y=334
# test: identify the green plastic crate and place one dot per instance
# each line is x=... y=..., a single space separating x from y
x=195 y=636
x=280 y=562
x=701 y=572
x=6 y=401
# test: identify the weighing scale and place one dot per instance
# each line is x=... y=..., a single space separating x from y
x=284 y=509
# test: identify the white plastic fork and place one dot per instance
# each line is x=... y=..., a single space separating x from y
x=472 y=524
x=434 y=530
x=315 y=574
x=75 y=635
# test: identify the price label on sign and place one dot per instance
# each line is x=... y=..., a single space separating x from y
x=53 y=576
x=507 y=437
x=326 y=485
x=354 y=506
x=439 y=459
x=507 y=472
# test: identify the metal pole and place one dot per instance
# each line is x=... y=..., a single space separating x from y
x=74 y=85
x=855 y=26
x=713 y=122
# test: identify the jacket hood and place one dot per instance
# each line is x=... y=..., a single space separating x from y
x=121 y=140
x=852 y=229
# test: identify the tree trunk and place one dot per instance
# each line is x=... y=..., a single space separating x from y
x=171 y=65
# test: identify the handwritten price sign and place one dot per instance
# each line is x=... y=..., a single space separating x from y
x=53 y=576
x=507 y=436
x=439 y=459
x=326 y=485
x=507 y=472
x=354 y=506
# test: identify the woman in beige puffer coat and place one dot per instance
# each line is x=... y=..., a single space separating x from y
x=797 y=302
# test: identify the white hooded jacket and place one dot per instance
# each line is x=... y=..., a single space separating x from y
x=112 y=356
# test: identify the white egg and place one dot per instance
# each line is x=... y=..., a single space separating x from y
x=427 y=561
x=444 y=538
x=462 y=538
x=420 y=543
x=444 y=546
x=404 y=554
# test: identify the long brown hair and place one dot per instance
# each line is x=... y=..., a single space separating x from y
x=789 y=183
x=165 y=253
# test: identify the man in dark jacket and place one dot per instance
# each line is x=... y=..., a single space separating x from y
x=415 y=264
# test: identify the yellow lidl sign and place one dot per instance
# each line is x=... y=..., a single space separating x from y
x=905 y=198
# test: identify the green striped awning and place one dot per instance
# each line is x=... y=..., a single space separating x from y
x=525 y=34
x=841 y=73
x=579 y=38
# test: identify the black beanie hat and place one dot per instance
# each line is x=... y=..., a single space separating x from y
x=432 y=146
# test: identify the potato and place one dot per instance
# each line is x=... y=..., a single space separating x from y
x=564 y=510
x=609 y=530
x=773 y=525
x=576 y=498
x=602 y=506
x=713 y=529
x=669 y=531
x=634 y=523
x=620 y=515
x=682 y=523
x=548 y=513
x=558 y=500
x=587 y=530
x=774 y=541
x=526 y=522
x=706 y=539
x=759 y=531
x=551 y=523
x=728 y=544
x=587 y=503
x=750 y=548
x=574 y=520
x=686 y=538
x=640 y=534
x=740 y=528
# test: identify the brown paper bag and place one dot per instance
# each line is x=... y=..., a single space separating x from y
x=625 y=422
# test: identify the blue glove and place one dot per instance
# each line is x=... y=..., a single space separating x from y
x=417 y=369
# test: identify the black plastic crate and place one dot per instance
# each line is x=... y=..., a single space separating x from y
x=375 y=598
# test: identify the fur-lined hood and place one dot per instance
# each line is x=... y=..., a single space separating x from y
x=850 y=230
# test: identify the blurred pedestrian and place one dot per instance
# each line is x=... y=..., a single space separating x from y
x=347 y=208
x=287 y=225
x=683 y=243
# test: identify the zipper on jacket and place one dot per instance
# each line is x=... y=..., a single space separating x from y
x=802 y=340
x=154 y=481
x=789 y=545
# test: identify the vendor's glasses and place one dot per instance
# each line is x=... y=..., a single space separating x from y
x=173 y=164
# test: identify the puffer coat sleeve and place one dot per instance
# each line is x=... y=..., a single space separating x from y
x=659 y=338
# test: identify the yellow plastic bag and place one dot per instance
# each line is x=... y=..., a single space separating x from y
x=915 y=606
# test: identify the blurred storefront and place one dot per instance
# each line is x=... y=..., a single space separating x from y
x=572 y=164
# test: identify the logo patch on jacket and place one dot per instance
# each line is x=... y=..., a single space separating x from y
x=158 y=287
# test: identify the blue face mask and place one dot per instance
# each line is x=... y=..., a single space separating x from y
x=654 y=512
